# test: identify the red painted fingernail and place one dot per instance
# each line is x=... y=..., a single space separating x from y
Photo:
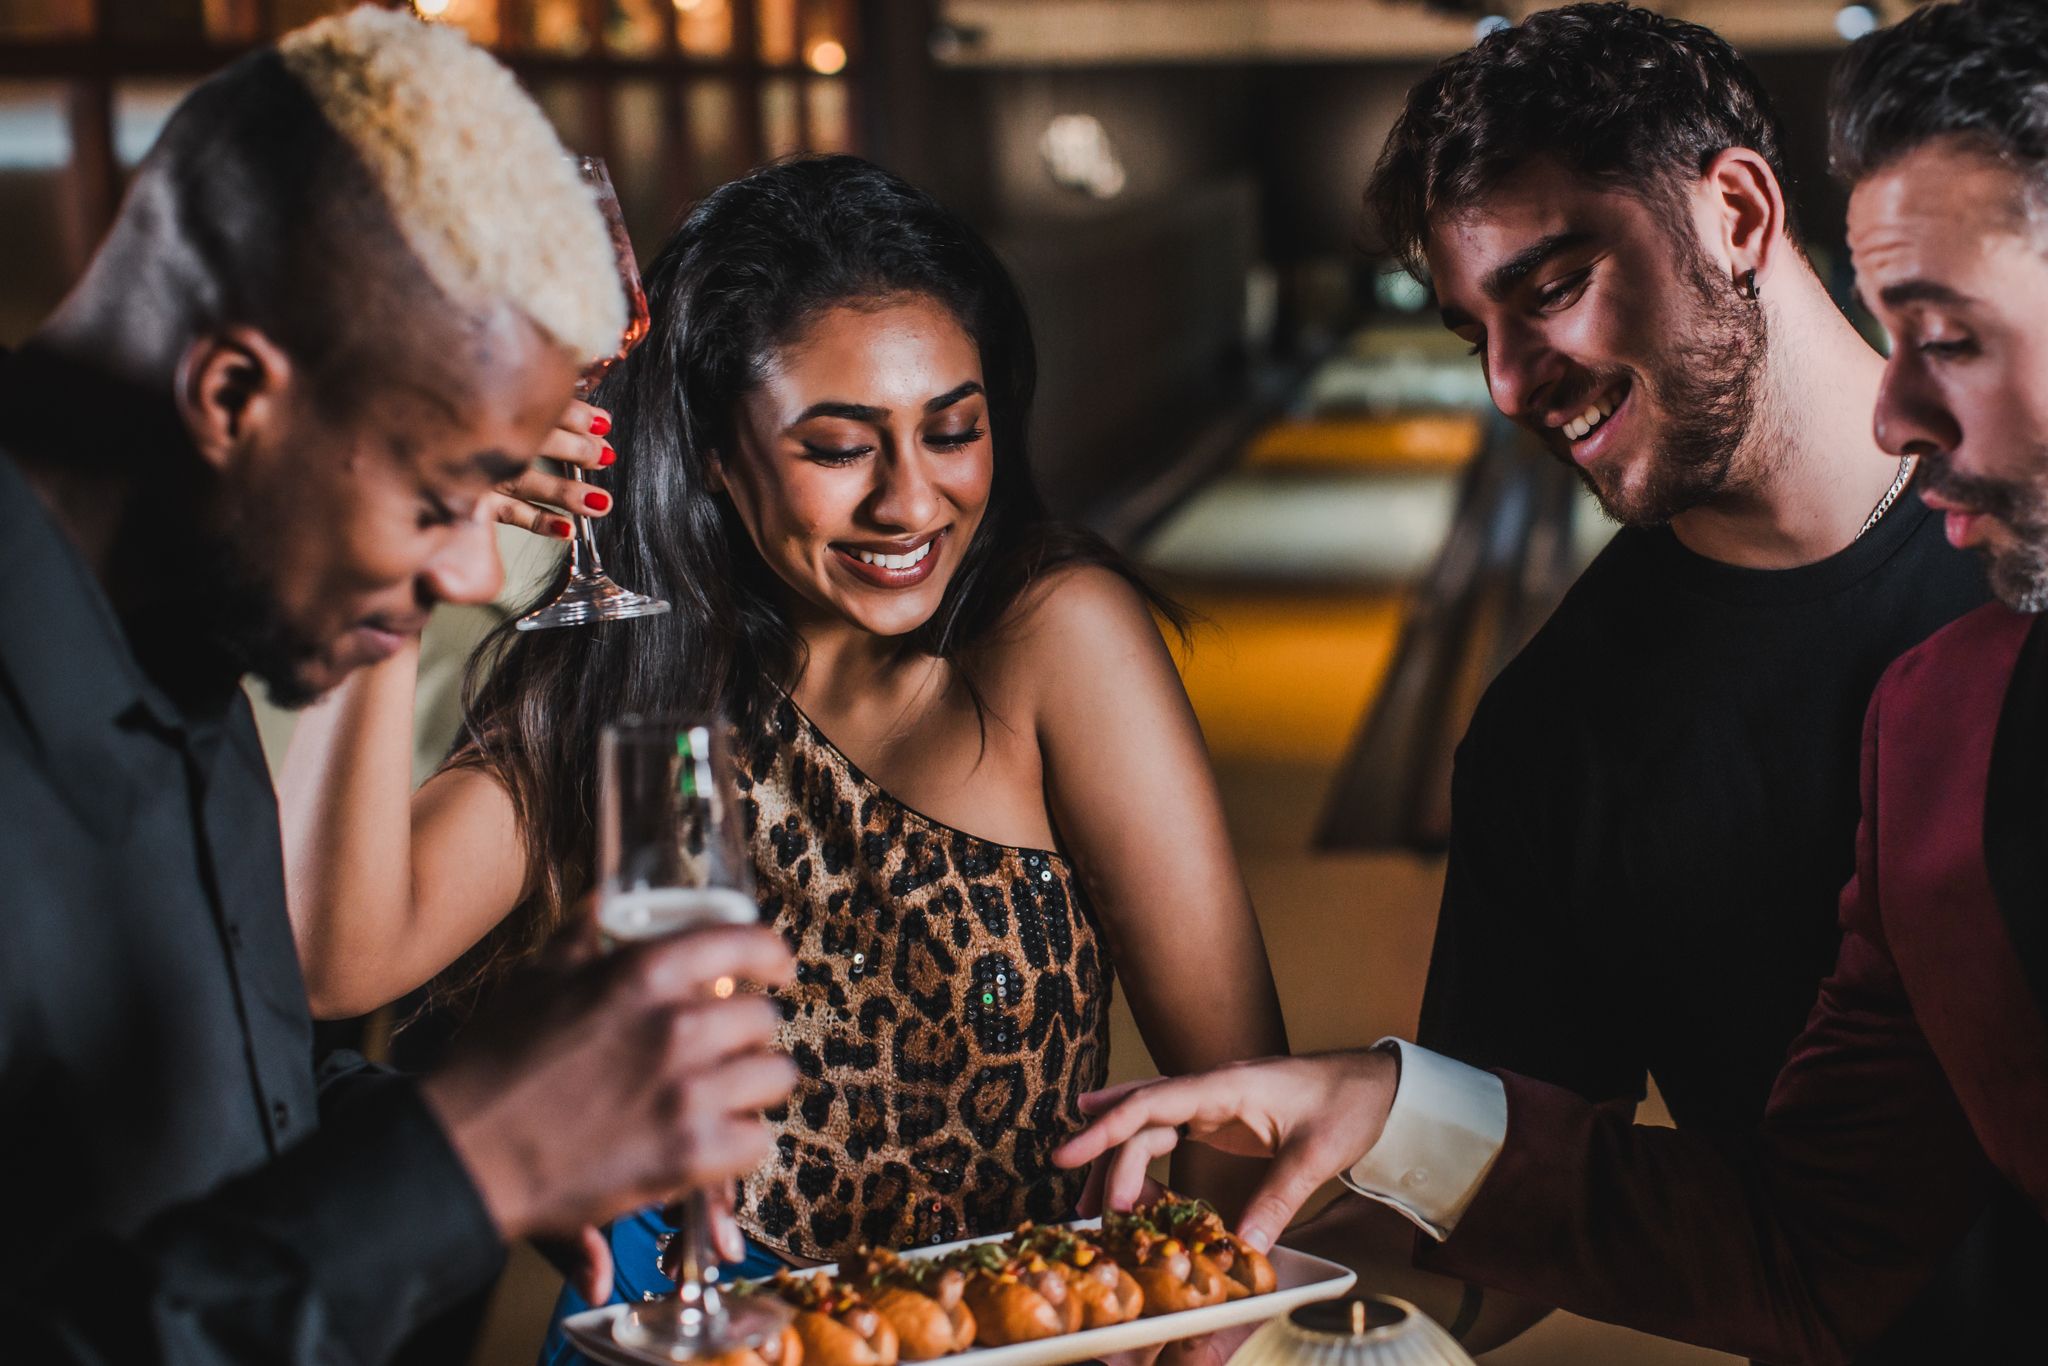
x=561 y=529
x=596 y=501
x=606 y=457
x=599 y=424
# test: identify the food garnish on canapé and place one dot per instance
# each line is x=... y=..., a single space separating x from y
x=923 y=1300
x=1169 y=1255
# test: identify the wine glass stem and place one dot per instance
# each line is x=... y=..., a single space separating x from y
x=583 y=558
x=702 y=1309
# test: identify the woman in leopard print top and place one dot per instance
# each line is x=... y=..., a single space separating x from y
x=821 y=465
x=951 y=1005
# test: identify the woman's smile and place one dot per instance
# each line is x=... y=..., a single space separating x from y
x=890 y=564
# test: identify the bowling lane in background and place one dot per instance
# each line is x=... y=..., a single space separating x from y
x=1283 y=680
x=1286 y=533
x=1301 y=558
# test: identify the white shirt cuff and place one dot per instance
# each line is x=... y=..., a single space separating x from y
x=1445 y=1128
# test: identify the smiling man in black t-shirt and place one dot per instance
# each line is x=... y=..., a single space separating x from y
x=1654 y=810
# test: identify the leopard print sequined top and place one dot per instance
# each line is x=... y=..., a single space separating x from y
x=951 y=1004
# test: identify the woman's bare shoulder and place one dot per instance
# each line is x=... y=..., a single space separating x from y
x=469 y=785
x=1077 y=622
x=1078 y=606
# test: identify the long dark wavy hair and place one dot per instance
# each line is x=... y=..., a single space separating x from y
x=750 y=266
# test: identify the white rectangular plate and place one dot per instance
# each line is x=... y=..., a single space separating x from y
x=1303 y=1280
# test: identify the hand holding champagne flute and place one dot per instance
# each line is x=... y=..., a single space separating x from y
x=672 y=859
x=590 y=595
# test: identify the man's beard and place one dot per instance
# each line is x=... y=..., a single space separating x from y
x=228 y=621
x=248 y=624
x=1706 y=386
x=240 y=621
x=2018 y=567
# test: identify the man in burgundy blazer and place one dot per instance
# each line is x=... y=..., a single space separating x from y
x=1922 y=1076
x=1921 y=1080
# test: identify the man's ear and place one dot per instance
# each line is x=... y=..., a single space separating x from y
x=231 y=384
x=1747 y=213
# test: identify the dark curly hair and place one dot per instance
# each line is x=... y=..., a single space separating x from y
x=1619 y=95
x=749 y=268
x=1975 y=70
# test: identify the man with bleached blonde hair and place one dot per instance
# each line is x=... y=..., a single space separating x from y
x=344 y=302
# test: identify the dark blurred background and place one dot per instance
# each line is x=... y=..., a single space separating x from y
x=1233 y=386
x=1175 y=181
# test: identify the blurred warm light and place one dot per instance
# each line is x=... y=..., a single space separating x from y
x=477 y=18
x=704 y=27
x=227 y=21
x=634 y=28
x=776 y=32
x=558 y=26
x=48 y=19
x=826 y=57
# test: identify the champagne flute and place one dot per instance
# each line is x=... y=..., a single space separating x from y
x=590 y=594
x=672 y=858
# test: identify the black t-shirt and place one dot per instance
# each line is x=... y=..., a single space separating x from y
x=1653 y=815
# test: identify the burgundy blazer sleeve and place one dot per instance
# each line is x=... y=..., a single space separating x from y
x=1798 y=1243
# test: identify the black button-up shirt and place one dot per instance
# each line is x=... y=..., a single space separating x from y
x=178 y=1185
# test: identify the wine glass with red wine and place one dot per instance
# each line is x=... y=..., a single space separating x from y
x=590 y=595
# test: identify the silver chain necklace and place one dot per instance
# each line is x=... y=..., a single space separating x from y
x=1891 y=495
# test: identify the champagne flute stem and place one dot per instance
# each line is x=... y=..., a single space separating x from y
x=703 y=1309
x=584 y=562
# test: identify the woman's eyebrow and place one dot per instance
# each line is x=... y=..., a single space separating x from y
x=868 y=413
x=852 y=412
x=953 y=396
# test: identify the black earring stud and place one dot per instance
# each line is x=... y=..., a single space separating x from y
x=1746 y=286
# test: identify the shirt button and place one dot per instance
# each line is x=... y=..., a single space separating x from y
x=280 y=1114
x=1415 y=1178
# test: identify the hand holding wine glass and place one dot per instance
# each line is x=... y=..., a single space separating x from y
x=535 y=499
x=589 y=595
x=672 y=860
x=571 y=1100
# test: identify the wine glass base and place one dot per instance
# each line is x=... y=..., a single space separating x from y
x=658 y=1328
x=596 y=598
